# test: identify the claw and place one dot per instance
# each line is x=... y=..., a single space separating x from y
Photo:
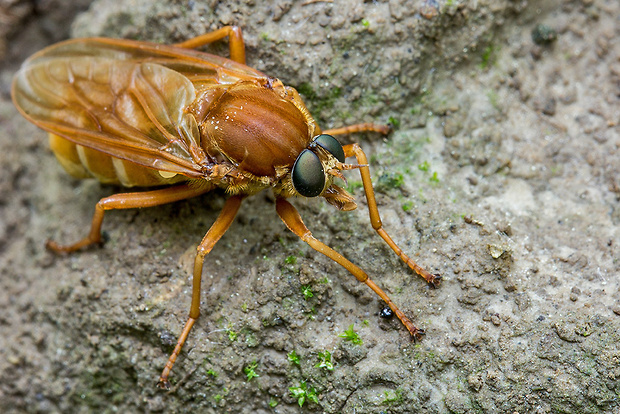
x=416 y=333
x=417 y=336
x=62 y=250
x=163 y=384
x=55 y=247
x=435 y=281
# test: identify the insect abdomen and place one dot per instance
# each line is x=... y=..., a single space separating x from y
x=82 y=162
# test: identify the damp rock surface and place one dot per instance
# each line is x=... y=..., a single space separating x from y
x=501 y=174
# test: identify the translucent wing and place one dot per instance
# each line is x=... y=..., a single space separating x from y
x=123 y=98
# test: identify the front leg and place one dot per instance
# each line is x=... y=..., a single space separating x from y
x=366 y=127
x=354 y=150
x=290 y=216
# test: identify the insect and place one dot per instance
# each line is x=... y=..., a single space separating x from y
x=140 y=114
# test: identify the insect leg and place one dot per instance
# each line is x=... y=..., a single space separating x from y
x=290 y=216
x=354 y=150
x=124 y=201
x=217 y=230
x=235 y=41
x=382 y=129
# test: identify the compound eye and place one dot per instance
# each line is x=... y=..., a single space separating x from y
x=308 y=175
x=329 y=144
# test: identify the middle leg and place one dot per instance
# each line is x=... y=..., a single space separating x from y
x=215 y=233
x=119 y=201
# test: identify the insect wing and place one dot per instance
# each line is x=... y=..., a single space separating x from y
x=123 y=98
x=198 y=67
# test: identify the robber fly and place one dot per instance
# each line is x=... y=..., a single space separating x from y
x=141 y=114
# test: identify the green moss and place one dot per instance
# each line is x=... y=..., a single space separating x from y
x=389 y=180
x=393 y=398
x=304 y=393
x=325 y=361
x=394 y=122
x=218 y=397
x=318 y=102
x=488 y=56
x=232 y=335
x=351 y=336
x=306 y=290
x=407 y=205
x=293 y=358
x=250 y=371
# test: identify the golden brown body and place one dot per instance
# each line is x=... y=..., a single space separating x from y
x=125 y=104
x=142 y=114
x=83 y=162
